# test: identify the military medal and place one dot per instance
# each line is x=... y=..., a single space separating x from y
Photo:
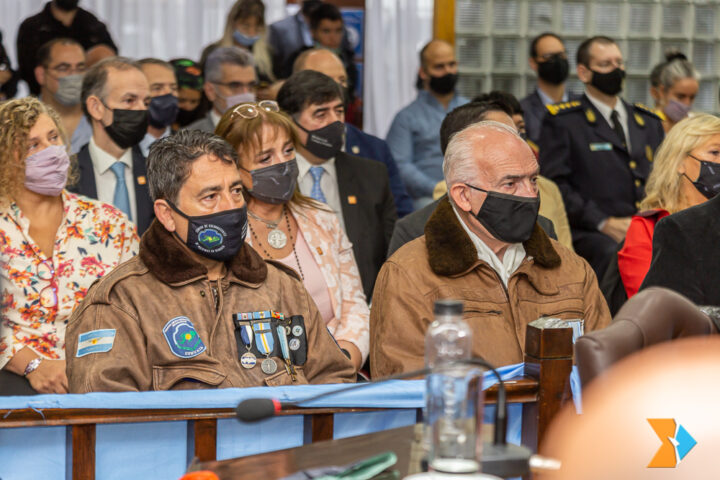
x=265 y=344
x=294 y=344
x=285 y=352
x=248 y=359
x=297 y=330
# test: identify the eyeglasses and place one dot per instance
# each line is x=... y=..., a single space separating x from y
x=252 y=110
x=48 y=295
x=237 y=86
x=66 y=69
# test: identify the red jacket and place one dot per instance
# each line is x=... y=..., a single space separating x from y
x=636 y=254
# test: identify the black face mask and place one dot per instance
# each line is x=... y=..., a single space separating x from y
x=708 y=182
x=274 y=184
x=610 y=83
x=67 y=5
x=128 y=127
x=218 y=236
x=325 y=142
x=445 y=84
x=186 y=117
x=555 y=70
x=509 y=218
x=163 y=110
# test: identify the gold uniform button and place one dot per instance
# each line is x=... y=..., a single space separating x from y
x=638 y=183
x=637 y=205
x=633 y=164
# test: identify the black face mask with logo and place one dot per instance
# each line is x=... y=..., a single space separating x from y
x=555 y=70
x=708 y=182
x=445 y=84
x=509 y=218
x=218 y=236
x=325 y=142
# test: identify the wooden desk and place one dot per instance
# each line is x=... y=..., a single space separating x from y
x=404 y=442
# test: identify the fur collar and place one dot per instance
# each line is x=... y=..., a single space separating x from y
x=451 y=252
x=171 y=263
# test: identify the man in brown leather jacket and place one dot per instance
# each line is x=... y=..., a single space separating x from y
x=481 y=245
x=198 y=308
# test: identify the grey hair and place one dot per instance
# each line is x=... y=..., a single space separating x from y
x=222 y=55
x=170 y=160
x=459 y=164
x=677 y=69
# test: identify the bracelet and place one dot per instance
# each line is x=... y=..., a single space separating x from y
x=32 y=365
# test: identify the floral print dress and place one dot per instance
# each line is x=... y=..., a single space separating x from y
x=38 y=294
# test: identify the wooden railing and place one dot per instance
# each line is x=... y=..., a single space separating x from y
x=542 y=392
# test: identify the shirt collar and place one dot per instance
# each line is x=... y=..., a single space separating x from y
x=214 y=117
x=605 y=109
x=428 y=98
x=514 y=254
x=545 y=98
x=304 y=166
x=102 y=161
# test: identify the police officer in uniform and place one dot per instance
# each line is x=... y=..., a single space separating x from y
x=548 y=58
x=599 y=151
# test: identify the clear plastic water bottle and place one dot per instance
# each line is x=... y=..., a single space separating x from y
x=452 y=419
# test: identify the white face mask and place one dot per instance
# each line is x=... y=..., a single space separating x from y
x=232 y=100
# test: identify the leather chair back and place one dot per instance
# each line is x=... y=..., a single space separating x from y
x=653 y=316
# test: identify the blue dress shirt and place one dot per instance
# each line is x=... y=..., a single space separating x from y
x=414 y=141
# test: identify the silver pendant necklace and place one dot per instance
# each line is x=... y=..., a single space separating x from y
x=276 y=238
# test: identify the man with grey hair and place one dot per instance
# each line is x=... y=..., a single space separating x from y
x=230 y=79
x=482 y=245
x=114 y=97
x=219 y=315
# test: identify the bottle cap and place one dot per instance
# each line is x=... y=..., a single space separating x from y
x=448 y=307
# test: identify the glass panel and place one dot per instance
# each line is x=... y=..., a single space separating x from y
x=470 y=16
x=471 y=51
x=469 y=85
x=507 y=83
x=573 y=17
x=706 y=100
x=673 y=18
x=572 y=46
x=607 y=18
x=575 y=86
x=637 y=90
x=539 y=16
x=704 y=20
x=505 y=53
x=638 y=54
x=640 y=19
x=506 y=16
x=704 y=57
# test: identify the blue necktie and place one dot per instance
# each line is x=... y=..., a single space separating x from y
x=121 y=198
x=317 y=193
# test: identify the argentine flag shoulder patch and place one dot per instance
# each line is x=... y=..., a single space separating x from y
x=95 y=341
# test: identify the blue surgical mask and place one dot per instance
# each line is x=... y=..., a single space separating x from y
x=244 y=40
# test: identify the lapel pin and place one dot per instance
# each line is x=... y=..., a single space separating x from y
x=141 y=180
x=352 y=199
x=355 y=149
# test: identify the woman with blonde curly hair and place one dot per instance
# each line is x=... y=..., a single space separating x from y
x=53 y=246
x=686 y=172
x=285 y=226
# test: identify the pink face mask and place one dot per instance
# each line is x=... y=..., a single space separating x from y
x=46 y=171
x=676 y=111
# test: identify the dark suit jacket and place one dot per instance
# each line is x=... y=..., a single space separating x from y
x=365 y=145
x=534 y=110
x=368 y=212
x=597 y=176
x=285 y=38
x=413 y=226
x=685 y=253
x=86 y=185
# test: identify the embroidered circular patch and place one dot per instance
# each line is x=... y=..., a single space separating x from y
x=182 y=338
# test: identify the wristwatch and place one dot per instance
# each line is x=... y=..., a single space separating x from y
x=32 y=365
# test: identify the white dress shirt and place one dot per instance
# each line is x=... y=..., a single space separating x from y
x=606 y=112
x=105 y=179
x=149 y=139
x=514 y=254
x=328 y=183
x=215 y=117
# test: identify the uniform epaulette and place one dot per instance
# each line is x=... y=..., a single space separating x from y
x=563 y=107
x=646 y=109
